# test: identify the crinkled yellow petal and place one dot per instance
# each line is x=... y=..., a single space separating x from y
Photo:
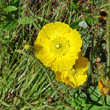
x=63 y=63
x=77 y=79
x=42 y=53
x=55 y=29
x=74 y=40
x=75 y=76
x=42 y=40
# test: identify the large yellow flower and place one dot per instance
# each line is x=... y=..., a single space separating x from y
x=58 y=46
x=75 y=76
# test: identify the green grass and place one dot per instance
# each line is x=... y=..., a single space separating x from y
x=25 y=84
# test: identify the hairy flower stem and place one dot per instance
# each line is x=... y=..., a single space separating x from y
x=108 y=43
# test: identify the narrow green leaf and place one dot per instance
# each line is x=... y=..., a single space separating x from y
x=4 y=103
x=73 y=5
x=27 y=85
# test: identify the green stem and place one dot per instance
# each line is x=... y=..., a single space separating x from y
x=108 y=42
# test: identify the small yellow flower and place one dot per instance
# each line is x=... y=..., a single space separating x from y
x=75 y=76
x=58 y=46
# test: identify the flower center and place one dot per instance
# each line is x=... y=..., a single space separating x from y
x=59 y=46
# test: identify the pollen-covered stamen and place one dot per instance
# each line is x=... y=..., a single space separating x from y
x=58 y=46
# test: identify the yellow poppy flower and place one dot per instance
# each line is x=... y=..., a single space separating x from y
x=57 y=46
x=75 y=76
